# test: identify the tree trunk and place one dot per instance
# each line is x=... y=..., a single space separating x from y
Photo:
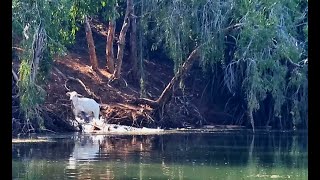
x=109 y=48
x=38 y=47
x=133 y=46
x=183 y=70
x=122 y=38
x=91 y=47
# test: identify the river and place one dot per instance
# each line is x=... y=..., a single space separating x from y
x=225 y=155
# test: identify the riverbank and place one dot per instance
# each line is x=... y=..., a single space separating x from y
x=72 y=72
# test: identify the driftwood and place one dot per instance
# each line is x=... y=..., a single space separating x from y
x=117 y=129
x=127 y=114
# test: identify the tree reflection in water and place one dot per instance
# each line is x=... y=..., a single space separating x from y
x=169 y=156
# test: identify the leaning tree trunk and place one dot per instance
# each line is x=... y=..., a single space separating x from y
x=122 y=38
x=91 y=47
x=109 y=48
x=183 y=70
x=133 y=46
x=168 y=91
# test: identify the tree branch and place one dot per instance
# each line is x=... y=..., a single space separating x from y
x=15 y=76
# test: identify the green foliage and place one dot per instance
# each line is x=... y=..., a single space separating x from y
x=298 y=85
x=26 y=17
x=268 y=35
x=45 y=67
x=30 y=94
x=184 y=25
x=81 y=8
x=53 y=15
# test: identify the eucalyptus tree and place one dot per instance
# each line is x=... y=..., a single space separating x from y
x=133 y=44
x=122 y=36
x=110 y=39
x=81 y=11
x=40 y=29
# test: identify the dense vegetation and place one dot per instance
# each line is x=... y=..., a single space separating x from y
x=253 y=53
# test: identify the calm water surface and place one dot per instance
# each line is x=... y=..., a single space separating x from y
x=218 y=155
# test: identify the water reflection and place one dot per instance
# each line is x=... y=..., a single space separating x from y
x=234 y=155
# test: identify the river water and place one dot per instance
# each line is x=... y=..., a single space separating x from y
x=214 y=155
